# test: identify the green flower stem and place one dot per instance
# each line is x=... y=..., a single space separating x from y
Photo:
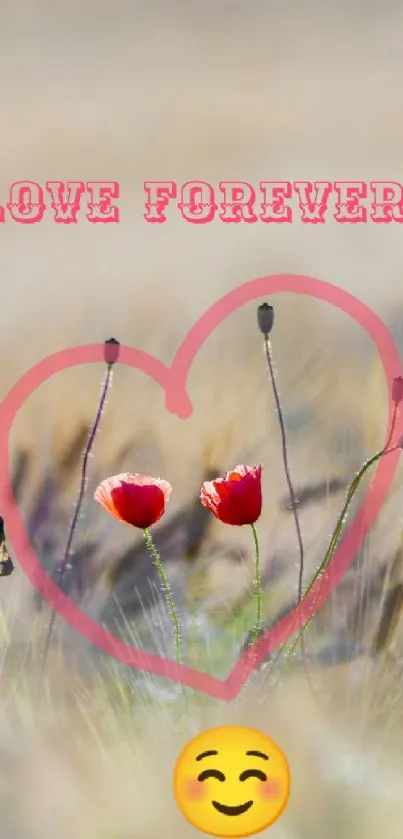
x=165 y=585
x=258 y=591
x=336 y=535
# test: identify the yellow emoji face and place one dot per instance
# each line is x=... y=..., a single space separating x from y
x=231 y=782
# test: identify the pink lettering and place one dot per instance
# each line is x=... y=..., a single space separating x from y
x=100 y=208
x=273 y=207
x=65 y=207
x=238 y=203
x=26 y=203
x=387 y=205
x=158 y=194
x=313 y=207
x=197 y=202
x=348 y=208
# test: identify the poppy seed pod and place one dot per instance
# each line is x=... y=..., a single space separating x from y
x=111 y=350
x=265 y=318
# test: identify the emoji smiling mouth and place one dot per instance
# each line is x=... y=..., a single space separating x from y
x=232 y=811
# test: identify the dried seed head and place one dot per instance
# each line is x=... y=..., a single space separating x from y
x=111 y=352
x=265 y=318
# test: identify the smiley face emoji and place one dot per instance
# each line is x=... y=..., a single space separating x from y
x=231 y=782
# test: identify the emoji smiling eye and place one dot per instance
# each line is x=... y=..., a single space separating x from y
x=252 y=773
x=211 y=773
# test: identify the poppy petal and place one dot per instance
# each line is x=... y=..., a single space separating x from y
x=236 y=498
x=138 y=500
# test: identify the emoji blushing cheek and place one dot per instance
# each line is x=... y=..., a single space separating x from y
x=194 y=790
x=272 y=788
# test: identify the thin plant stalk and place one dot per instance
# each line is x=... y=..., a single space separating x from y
x=83 y=482
x=338 y=529
x=165 y=585
x=258 y=589
x=350 y=495
x=293 y=499
x=291 y=491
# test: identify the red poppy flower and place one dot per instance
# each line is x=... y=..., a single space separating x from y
x=134 y=499
x=237 y=497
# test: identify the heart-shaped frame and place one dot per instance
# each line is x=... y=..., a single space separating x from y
x=173 y=380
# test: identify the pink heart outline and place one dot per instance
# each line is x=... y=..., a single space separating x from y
x=173 y=381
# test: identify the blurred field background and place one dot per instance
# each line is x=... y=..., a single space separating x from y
x=135 y=91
